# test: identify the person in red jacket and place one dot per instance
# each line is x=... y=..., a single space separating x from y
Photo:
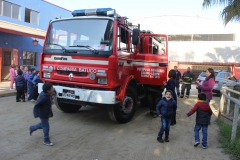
x=204 y=113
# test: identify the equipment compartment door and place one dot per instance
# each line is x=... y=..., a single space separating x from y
x=151 y=61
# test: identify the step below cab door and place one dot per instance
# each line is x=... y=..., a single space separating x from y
x=151 y=60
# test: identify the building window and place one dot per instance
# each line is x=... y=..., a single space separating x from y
x=31 y=16
x=1 y=2
x=9 y=10
x=29 y=58
x=202 y=37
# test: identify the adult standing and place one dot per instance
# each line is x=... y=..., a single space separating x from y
x=171 y=85
x=208 y=84
x=12 y=76
x=178 y=77
x=186 y=82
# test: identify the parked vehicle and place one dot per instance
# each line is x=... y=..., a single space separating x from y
x=221 y=77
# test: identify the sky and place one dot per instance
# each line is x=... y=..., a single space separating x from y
x=137 y=9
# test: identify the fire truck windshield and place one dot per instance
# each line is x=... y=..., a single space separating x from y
x=80 y=36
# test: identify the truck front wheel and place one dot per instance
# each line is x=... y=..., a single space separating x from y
x=124 y=112
x=66 y=107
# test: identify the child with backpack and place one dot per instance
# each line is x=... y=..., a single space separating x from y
x=204 y=113
x=165 y=110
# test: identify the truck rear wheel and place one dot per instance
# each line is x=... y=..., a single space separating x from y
x=66 y=107
x=124 y=112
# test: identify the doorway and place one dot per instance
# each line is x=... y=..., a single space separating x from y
x=8 y=56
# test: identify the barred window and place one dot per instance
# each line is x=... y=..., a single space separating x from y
x=29 y=58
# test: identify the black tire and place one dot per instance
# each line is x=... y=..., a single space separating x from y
x=124 y=112
x=66 y=107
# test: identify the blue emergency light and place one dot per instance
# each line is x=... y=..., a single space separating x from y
x=91 y=12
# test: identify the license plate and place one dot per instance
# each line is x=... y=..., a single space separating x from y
x=68 y=94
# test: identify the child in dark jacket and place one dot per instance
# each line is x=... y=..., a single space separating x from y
x=171 y=85
x=165 y=109
x=20 y=82
x=204 y=113
x=43 y=110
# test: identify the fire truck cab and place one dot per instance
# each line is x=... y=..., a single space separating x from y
x=98 y=57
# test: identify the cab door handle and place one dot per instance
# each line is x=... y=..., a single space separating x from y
x=129 y=61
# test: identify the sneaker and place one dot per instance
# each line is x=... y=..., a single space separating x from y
x=186 y=96
x=18 y=100
x=166 y=139
x=32 y=100
x=196 y=144
x=204 y=147
x=181 y=96
x=12 y=89
x=48 y=143
x=30 y=131
x=159 y=139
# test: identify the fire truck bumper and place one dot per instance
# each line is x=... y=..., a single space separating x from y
x=83 y=95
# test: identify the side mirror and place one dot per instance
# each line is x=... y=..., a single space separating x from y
x=135 y=36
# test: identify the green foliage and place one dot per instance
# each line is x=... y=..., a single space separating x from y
x=225 y=139
x=230 y=12
x=236 y=88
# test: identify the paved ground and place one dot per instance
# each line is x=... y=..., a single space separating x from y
x=89 y=134
x=5 y=89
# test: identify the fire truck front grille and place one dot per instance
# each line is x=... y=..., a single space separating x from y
x=75 y=73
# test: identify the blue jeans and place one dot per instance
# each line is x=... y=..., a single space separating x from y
x=204 y=132
x=30 y=89
x=44 y=125
x=166 y=121
x=177 y=87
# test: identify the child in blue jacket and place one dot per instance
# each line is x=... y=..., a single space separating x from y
x=34 y=95
x=30 y=79
x=20 y=82
x=43 y=110
x=165 y=109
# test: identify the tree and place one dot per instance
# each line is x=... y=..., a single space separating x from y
x=231 y=11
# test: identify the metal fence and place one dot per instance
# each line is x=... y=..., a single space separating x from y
x=229 y=107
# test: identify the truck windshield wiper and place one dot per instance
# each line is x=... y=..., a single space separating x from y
x=64 y=49
x=88 y=47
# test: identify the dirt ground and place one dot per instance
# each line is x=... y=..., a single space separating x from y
x=90 y=134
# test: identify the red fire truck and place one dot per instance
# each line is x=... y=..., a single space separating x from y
x=98 y=57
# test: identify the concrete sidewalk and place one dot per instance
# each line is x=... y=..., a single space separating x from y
x=5 y=89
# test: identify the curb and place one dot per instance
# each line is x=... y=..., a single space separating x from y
x=7 y=93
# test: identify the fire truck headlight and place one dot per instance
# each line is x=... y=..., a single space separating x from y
x=46 y=75
x=102 y=80
x=50 y=68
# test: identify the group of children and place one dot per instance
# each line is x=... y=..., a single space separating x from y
x=26 y=82
x=166 y=110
